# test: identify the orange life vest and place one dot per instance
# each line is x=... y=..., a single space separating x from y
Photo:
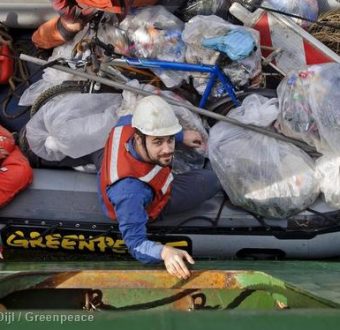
x=15 y=175
x=7 y=143
x=118 y=163
x=15 y=170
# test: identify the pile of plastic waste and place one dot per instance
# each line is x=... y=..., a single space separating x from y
x=267 y=177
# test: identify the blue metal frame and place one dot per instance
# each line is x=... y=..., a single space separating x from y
x=214 y=73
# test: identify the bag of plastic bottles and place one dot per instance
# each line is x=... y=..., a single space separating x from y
x=309 y=106
x=154 y=32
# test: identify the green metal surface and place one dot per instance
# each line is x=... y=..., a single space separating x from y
x=118 y=290
x=318 y=278
x=321 y=278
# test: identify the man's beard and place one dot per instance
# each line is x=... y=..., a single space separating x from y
x=158 y=162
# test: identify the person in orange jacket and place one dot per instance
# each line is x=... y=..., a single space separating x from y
x=15 y=170
x=74 y=14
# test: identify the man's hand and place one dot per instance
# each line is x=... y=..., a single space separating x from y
x=193 y=139
x=174 y=261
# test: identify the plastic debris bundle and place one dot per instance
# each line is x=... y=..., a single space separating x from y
x=154 y=32
x=259 y=173
x=309 y=106
x=200 y=28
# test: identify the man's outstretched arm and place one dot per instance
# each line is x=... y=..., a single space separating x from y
x=130 y=197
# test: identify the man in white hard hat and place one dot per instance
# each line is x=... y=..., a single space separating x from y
x=136 y=183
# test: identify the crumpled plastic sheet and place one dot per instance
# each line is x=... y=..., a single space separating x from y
x=257 y=110
x=185 y=158
x=305 y=8
x=309 y=106
x=328 y=169
x=63 y=127
x=265 y=176
x=203 y=27
x=154 y=32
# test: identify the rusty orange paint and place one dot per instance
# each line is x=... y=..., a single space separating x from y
x=140 y=279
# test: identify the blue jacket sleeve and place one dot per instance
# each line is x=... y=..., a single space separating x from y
x=130 y=197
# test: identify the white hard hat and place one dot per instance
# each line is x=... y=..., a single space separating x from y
x=154 y=116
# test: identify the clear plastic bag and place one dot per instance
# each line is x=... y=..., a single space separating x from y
x=309 y=106
x=154 y=32
x=63 y=127
x=187 y=159
x=261 y=174
x=203 y=27
x=257 y=110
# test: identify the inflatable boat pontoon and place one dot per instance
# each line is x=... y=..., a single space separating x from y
x=61 y=211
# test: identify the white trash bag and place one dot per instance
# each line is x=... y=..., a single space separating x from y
x=72 y=125
x=328 y=169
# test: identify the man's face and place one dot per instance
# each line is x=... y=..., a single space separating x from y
x=161 y=149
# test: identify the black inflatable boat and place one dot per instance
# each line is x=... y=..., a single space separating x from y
x=61 y=211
